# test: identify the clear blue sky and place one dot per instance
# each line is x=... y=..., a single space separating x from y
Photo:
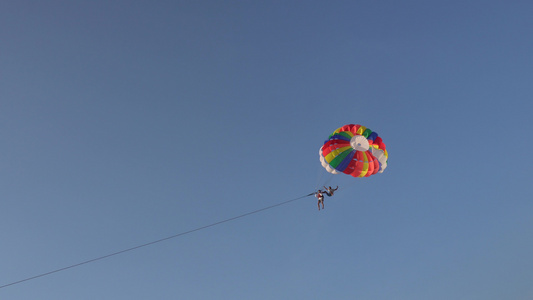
x=122 y=122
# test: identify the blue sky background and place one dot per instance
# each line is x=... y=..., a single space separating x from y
x=123 y=122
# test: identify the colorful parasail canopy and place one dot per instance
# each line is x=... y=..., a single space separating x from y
x=355 y=150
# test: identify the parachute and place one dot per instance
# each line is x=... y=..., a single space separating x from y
x=354 y=150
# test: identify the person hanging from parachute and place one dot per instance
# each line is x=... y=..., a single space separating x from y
x=320 y=196
x=355 y=150
x=329 y=190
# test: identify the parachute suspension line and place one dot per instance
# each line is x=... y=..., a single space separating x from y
x=154 y=242
x=319 y=177
x=329 y=178
x=323 y=179
x=350 y=185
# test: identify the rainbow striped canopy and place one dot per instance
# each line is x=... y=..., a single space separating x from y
x=354 y=150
